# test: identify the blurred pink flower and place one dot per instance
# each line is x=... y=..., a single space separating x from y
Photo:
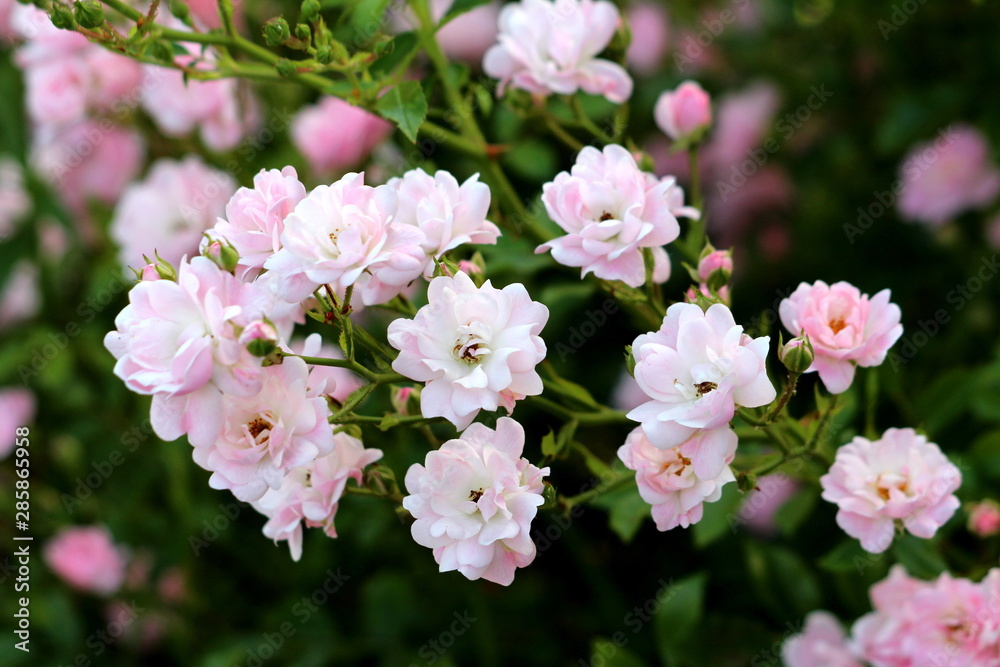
x=822 y=643
x=17 y=410
x=474 y=499
x=468 y=36
x=899 y=477
x=87 y=559
x=14 y=199
x=695 y=370
x=984 y=518
x=610 y=211
x=255 y=217
x=760 y=505
x=948 y=176
x=742 y=122
x=267 y=434
x=684 y=111
x=311 y=493
x=335 y=136
x=846 y=328
x=475 y=348
x=650 y=27
x=20 y=296
x=169 y=211
x=676 y=482
x=547 y=47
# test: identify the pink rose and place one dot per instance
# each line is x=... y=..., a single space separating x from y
x=984 y=518
x=169 y=211
x=945 y=177
x=475 y=348
x=682 y=112
x=900 y=477
x=549 y=47
x=87 y=559
x=467 y=36
x=17 y=409
x=474 y=499
x=695 y=370
x=611 y=211
x=846 y=328
x=678 y=481
x=335 y=136
x=311 y=493
x=822 y=643
x=650 y=29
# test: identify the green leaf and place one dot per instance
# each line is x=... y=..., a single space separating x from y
x=783 y=582
x=845 y=557
x=394 y=51
x=795 y=510
x=918 y=557
x=549 y=446
x=682 y=606
x=406 y=106
x=719 y=517
x=458 y=8
x=610 y=653
x=626 y=511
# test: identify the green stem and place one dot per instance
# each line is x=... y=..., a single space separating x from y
x=587 y=496
x=393 y=496
x=696 y=229
x=786 y=395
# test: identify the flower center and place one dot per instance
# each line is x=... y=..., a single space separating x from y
x=704 y=387
x=605 y=217
x=886 y=483
x=257 y=426
x=837 y=325
x=472 y=343
x=475 y=495
x=675 y=467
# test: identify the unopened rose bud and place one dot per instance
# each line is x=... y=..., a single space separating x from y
x=276 y=31
x=984 y=519
x=303 y=32
x=629 y=360
x=285 y=67
x=224 y=255
x=148 y=273
x=260 y=338
x=180 y=9
x=310 y=9
x=88 y=13
x=684 y=113
x=163 y=269
x=405 y=398
x=62 y=17
x=716 y=268
x=797 y=355
x=746 y=482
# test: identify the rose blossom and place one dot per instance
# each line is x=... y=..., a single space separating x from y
x=760 y=506
x=900 y=477
x=650 y=29
x=611 y=211
x=178 y=341
x=822 y=643
x=465 y=37
x=17 y=409
x=255 y=217
x=677 y=481
x=984 y=518
x=87 y=559
x=846 y=328
x=342 y=233
x=682 y=112
x=168 y=212
x=265 y=435
x=948 y=621
x=948 y=176
x=334 y=135
x=311 y=493
x=474 y=499
x=695 y=370
x=551 y=47
x=475 y=348
x=447 y=213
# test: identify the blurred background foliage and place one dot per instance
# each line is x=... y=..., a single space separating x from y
x=727 y=595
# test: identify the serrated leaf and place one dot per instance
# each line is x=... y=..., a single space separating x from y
x=626 y=511
x=406 y=106
x=393 y=52
x=458 y=8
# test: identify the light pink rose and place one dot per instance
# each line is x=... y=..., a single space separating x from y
x=474 y=499
x=682 y=112
x=900 y=477
x=343 y=234
x=178 y=341
x=311 y=494
x=948 y=176
x=267 y=434
x=948 y=621
x=20 y=296
x=762 y=504
x=984 y=518
x=17 y=409
x=650 y=29
x=475 y=348
x=846 y=328
x=677 y=482
x=169 y=211
x=87 y=559
x=92 y=160
x=255 y=217
x=717 y=260
x=334 y=135
x=822 y=643
x=14 y=199
x=551 y=47
x=695 y=370
x=611 y=210
x=447 y=213
x=742 y=122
